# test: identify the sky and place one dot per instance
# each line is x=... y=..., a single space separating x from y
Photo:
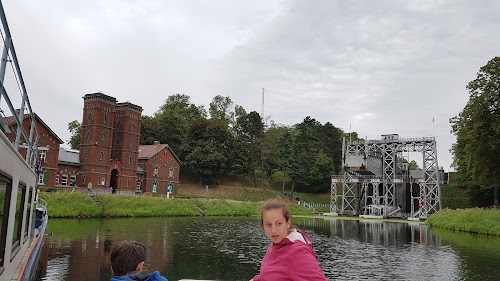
x=373 y=67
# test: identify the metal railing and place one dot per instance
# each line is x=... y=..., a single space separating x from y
x=31 y=139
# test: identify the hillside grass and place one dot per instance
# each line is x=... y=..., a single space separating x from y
x=194 y=201
x=237 y=193
x=474 y=220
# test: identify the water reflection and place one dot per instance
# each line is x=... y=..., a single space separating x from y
x=232 y=248
x=354 y=250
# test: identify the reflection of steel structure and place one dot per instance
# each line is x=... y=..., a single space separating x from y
x=378 y=182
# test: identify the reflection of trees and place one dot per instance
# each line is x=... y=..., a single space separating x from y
x=86 y=253
x=477 y=252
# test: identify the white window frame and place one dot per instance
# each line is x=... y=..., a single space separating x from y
x=42 y=156
x=64 y=180
x=40 y=178
x=171 y=173
x=155 y=171
x=155 y=187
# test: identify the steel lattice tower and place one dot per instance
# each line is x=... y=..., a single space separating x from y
x=376 y=192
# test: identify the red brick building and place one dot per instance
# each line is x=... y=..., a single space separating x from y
x=48 y=147
x=109 y=154
x=161 y=168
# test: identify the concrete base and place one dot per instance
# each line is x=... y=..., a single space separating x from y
x=371 y=217
x=334 y=214
x=413 y=219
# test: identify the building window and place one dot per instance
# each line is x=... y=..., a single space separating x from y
x=138 y=186
x=84 y=179
x=88 y=135
x=155 y=187
x=90 y=116
x=155 y=172
x=64 y=180
x=105 y=118
x=171 y=173
x=130 y=159
x=86 y=154
x=128 y=182
x=42 y=156
x=132 y=126
x=99 y=181
x=101 y=155
x=103 y=136
x=130 y=142
x=40 y=178
x=72 y=180
x=57 y=179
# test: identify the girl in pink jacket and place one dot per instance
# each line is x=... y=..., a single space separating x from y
x=290 y=256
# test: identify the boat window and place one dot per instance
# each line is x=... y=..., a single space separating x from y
x=18 y=224
x=29 y=210
x=5 y=193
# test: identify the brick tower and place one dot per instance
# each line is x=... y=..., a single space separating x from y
x=109 y=142
x=125 y=150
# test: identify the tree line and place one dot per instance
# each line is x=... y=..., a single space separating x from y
x=477 y=128
x=228 y=140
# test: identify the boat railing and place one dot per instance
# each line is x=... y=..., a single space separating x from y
x=31 y=138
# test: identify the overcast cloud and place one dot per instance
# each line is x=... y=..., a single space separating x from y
x=377 y=66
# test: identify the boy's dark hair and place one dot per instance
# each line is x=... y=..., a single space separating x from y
x=126 y=256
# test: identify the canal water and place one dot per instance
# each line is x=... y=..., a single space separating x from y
x=232 y=248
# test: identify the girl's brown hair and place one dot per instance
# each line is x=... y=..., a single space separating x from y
x=273 y=205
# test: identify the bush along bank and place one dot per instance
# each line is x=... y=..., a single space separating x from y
x=77 y=205
x=474 y=220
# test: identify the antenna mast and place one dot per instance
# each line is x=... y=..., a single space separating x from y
x=262 y=109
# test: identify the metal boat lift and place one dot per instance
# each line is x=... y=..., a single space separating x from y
x=378 y=183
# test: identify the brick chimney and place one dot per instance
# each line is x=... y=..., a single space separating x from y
x=156 y=143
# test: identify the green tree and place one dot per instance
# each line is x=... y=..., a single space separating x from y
x=477 y=127
x=271 y=148
x=331 y=138
x=151 y=130
x=223 y=109
x=171 y=122
x=209 y=142
x=251 y=131
x=75 y=128
x=413 y=165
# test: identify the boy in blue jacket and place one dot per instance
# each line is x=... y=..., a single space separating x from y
x=127 y=261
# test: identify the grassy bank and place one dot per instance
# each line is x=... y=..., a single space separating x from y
x=64 y=204
x=483 y=221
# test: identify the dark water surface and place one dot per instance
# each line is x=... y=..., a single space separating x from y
x=232 y=248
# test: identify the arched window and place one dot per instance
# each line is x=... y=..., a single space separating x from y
x=103 y=136
x=105 y=118
x=130 y=159
x=101 y=155
x=86 y=154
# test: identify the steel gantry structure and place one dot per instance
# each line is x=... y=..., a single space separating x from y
x=377 y=181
